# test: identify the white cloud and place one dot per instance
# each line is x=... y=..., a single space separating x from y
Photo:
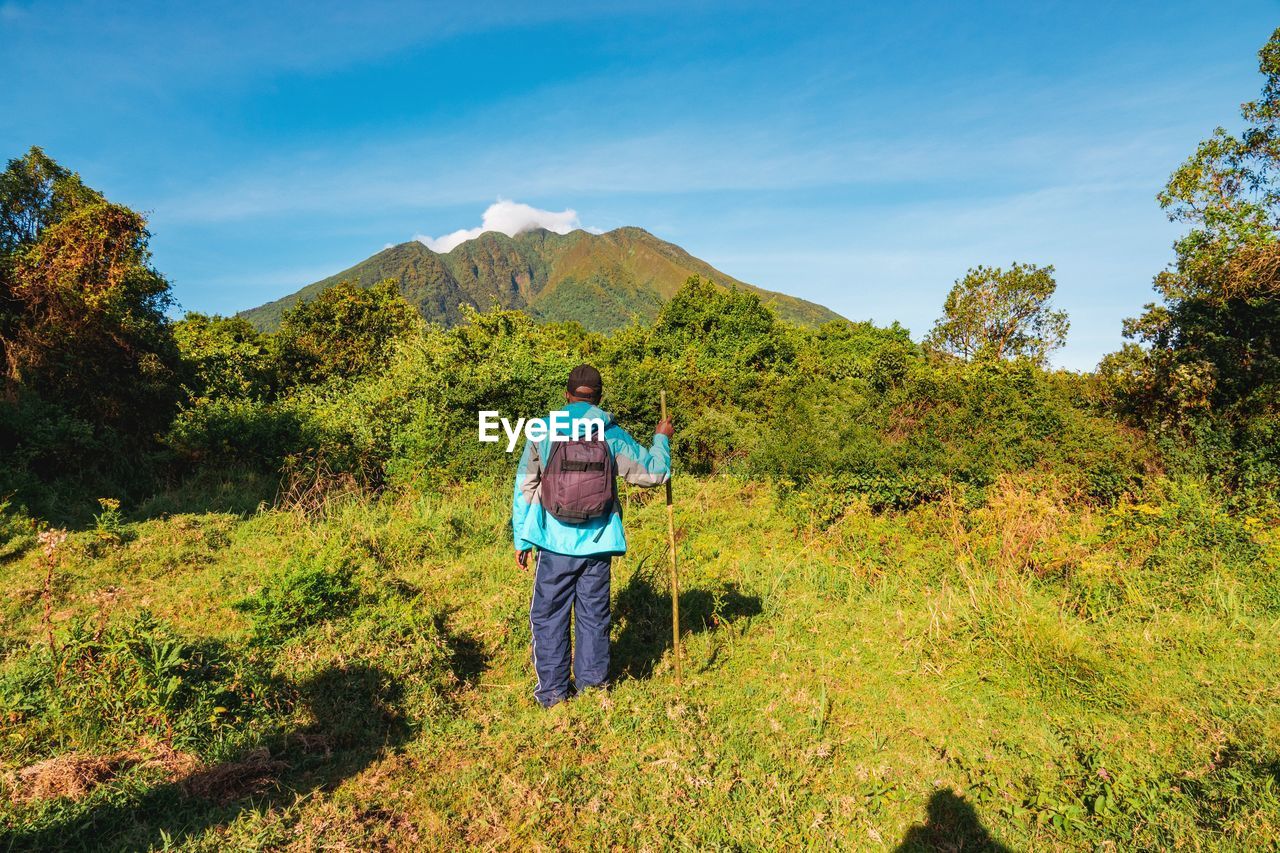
x=510 y=218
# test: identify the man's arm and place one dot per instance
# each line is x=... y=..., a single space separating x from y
x=528 y=476
x=641 y=467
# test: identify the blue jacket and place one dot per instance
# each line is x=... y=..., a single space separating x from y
x=531 y=527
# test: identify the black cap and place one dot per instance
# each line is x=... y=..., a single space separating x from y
x=585 y=376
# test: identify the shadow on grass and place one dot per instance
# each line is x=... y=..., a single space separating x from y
x=356 y=718
x=212 y=489
x=468 y=657
x=220 y=489
x=951 y=824
x=644 y=614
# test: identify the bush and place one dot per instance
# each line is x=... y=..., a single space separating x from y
x=943 y=425
x=17 y=531
x=305 y=593
x=1191 y=543
x=224 y=357
x=344 y=332
x=246 y=432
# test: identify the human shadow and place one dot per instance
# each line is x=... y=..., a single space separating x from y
x=355 y=716
x=643 y=614
x=951 y=825
x=468 y=658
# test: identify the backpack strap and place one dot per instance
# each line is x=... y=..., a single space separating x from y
x=613 y=469
x=542 y=505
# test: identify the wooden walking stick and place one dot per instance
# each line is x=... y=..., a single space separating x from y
x=675 y=577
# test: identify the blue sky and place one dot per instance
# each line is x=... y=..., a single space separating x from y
x=862 y=156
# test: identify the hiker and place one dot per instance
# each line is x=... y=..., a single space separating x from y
x=566 y=505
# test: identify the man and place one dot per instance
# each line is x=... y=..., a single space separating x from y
x=576 y=543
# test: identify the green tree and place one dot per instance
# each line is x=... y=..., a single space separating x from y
x=1212 y=343
x=725 y=324
x=993 y=313
x=344 y=332
x=224 y=356
x=88 y=366
x=35 y=192
x=1203 y=370
x=86 y=323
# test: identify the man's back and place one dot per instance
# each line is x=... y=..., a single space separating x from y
x=532 y=526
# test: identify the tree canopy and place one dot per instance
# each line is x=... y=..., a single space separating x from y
x=345 y=331
x=1212 y=343
x=999 y=314
x=83 y=310
x=1202 y=369
x=36 y=192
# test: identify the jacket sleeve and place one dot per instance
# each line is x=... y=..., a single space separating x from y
x=638 y=466
x=528 y=476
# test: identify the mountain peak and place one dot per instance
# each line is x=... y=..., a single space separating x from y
x=603 y=281
x=633 y=231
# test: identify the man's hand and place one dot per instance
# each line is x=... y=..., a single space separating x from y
x=665 y=428
x=522 y=558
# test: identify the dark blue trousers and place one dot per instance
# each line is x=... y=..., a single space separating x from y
x=562 y=583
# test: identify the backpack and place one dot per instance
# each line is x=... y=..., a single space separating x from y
x=578 y=481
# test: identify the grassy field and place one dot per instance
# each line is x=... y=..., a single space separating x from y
x=1005 y=670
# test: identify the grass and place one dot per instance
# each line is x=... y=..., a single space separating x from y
x=1023 y=672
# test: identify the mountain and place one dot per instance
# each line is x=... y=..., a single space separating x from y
x=600 y=280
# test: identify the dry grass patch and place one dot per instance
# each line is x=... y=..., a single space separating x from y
x=76 y=775
x=231 y=780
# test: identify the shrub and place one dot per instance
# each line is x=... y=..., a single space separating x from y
x=241 y=431
x=16 y=530
x=346 y=331
x=942 y=425
x=224 y=356
x=304 y=593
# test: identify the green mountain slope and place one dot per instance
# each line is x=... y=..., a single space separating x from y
x=600 y=280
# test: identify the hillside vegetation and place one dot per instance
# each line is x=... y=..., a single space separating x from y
x=603 y=281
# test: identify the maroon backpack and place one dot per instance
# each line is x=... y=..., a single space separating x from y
x=578 y=480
